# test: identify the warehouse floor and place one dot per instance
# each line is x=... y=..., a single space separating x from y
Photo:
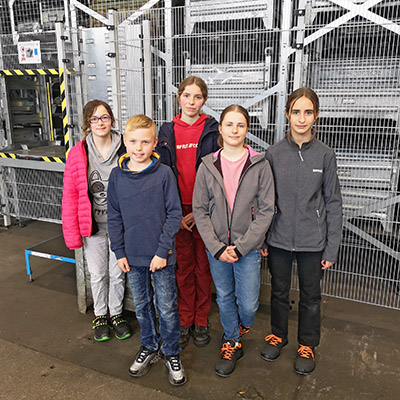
x=47 y=350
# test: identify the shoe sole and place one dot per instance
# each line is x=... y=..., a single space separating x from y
x=228 y=375
x=173 y=383
x=303 y=373
x=201 y=344
x=123 y=337
x=103 y=339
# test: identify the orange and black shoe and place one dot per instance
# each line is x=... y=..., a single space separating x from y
x=305 y=360
x=273 y=347
x=231 y=352
x=243 y=329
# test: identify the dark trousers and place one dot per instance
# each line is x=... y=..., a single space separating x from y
x=193 y=277
x=310 y=273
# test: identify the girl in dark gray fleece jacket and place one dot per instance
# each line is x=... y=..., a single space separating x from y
x=307 y=226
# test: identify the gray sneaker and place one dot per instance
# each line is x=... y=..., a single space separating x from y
x=143 y=360
x=177 y=376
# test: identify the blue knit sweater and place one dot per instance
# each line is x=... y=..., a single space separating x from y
x=144 y=212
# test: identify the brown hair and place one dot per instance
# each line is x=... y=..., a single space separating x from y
x=310 y=95
x=234 y=108
x=140 y=121
x=89 y=110
x=190 y=80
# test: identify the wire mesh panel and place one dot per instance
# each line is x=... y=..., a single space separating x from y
x=30 y=193
x=255 y=53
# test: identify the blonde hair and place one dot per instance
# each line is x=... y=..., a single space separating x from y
x=140 y=121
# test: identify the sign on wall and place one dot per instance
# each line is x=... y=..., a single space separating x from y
x=29 y=52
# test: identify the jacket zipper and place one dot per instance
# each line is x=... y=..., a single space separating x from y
x=234 y=201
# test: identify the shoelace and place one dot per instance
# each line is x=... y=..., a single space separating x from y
x=243 y=329
x=229 y=350
x=175 y=363
x=117 y=319
x=100 y=321
x=143 y=354
x=305 y=351
x=273 y=340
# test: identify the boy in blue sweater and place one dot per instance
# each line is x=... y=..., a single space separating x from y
x=144 y=215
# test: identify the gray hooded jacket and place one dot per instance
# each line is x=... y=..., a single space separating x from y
x=252 y=211
x=308 y=202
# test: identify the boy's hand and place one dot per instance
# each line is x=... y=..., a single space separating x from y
x=157 y=263
x=123 y=264
x=188 y=222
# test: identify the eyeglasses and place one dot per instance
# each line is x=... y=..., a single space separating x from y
x=104 y=118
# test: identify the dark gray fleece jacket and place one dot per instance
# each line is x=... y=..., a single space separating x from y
x=252 y=211
x=308 y=202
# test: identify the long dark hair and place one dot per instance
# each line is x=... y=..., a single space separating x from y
x=310 y=95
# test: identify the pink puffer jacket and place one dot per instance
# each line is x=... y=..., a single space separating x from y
x=76 y=206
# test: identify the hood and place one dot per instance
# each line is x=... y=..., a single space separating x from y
x=177 y=120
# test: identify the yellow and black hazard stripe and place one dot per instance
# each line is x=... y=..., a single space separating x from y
x=59 y=160
x=64 y=111
x=34 y=72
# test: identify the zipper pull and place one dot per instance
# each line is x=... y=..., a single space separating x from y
x=318 y=214
x=229 y=237
x=301 y=157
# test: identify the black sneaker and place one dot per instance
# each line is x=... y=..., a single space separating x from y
x=101 y=329
x=272 y=349
x=201 y=335
x=120 y=326
x=305 y=360
x=176 y=373
x=185 y=336
x=231 y=352
x=143 y=360
x=243 y=329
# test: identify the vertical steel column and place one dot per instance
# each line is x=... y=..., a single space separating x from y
x=298 y=63
x=113 y=54
x=168 y=52
x=77 y=64
x=64 y=90
x=147 y=66
x=285 y=51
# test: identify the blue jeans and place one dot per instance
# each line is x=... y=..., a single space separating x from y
x=238 y=289
x=164 y=286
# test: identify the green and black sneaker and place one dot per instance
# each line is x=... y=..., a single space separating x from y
x=119 y=324
x=101 y=329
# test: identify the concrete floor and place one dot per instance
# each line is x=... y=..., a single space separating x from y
x=47 y=350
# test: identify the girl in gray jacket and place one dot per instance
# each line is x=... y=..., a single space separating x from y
x=307 y=227
x=233 y=205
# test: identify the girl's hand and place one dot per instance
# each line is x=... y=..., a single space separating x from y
x=264 y=252
x=123 y=264
x=326 y=264
x=157 y=263
x=227 y=257
x=188 y=222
